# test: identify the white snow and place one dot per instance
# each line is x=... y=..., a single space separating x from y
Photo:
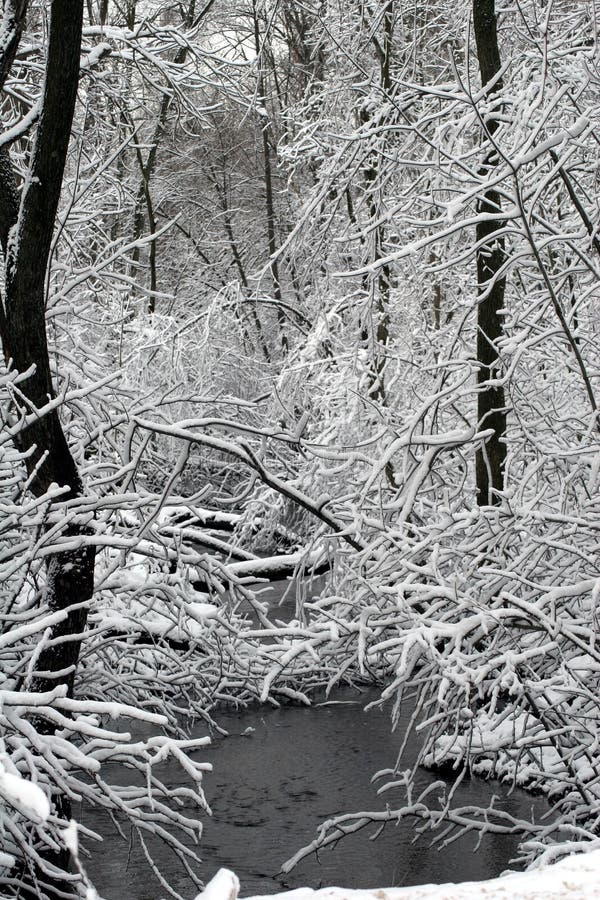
x=69 y=836
x=23 y=795
x=576 y=877
x=223 y=886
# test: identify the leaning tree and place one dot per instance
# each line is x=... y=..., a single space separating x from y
x=27 y=217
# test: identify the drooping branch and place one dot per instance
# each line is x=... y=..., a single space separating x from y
x=244 y=454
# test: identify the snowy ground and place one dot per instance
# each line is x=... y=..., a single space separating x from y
x=576 y=878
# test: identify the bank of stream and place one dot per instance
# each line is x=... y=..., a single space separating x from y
x=278 y=775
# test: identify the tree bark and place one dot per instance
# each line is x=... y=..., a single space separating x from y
x=27 y=226
x=491 y=401
x=268 y=180
x=376 y=337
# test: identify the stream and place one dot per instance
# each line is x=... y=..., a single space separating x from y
x=277 y=776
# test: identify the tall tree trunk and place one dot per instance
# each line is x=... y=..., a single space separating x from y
x=377 y=335
x=491 y=400
x=70 y=574
x=268 y=179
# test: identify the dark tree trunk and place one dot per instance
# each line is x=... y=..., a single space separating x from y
x=268 y=179
x=491 y=400
x=31 y=216
x=378 y=335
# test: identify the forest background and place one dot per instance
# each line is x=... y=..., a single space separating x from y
x=322 y=274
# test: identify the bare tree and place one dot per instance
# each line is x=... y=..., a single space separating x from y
x=28 y=217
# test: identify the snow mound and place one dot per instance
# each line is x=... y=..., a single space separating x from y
x=23 y=795
x=223 y=886
x=576 y=877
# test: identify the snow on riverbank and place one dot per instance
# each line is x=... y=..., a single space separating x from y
x=576 y=877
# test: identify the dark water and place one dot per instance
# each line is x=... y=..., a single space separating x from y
x=271 y=788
